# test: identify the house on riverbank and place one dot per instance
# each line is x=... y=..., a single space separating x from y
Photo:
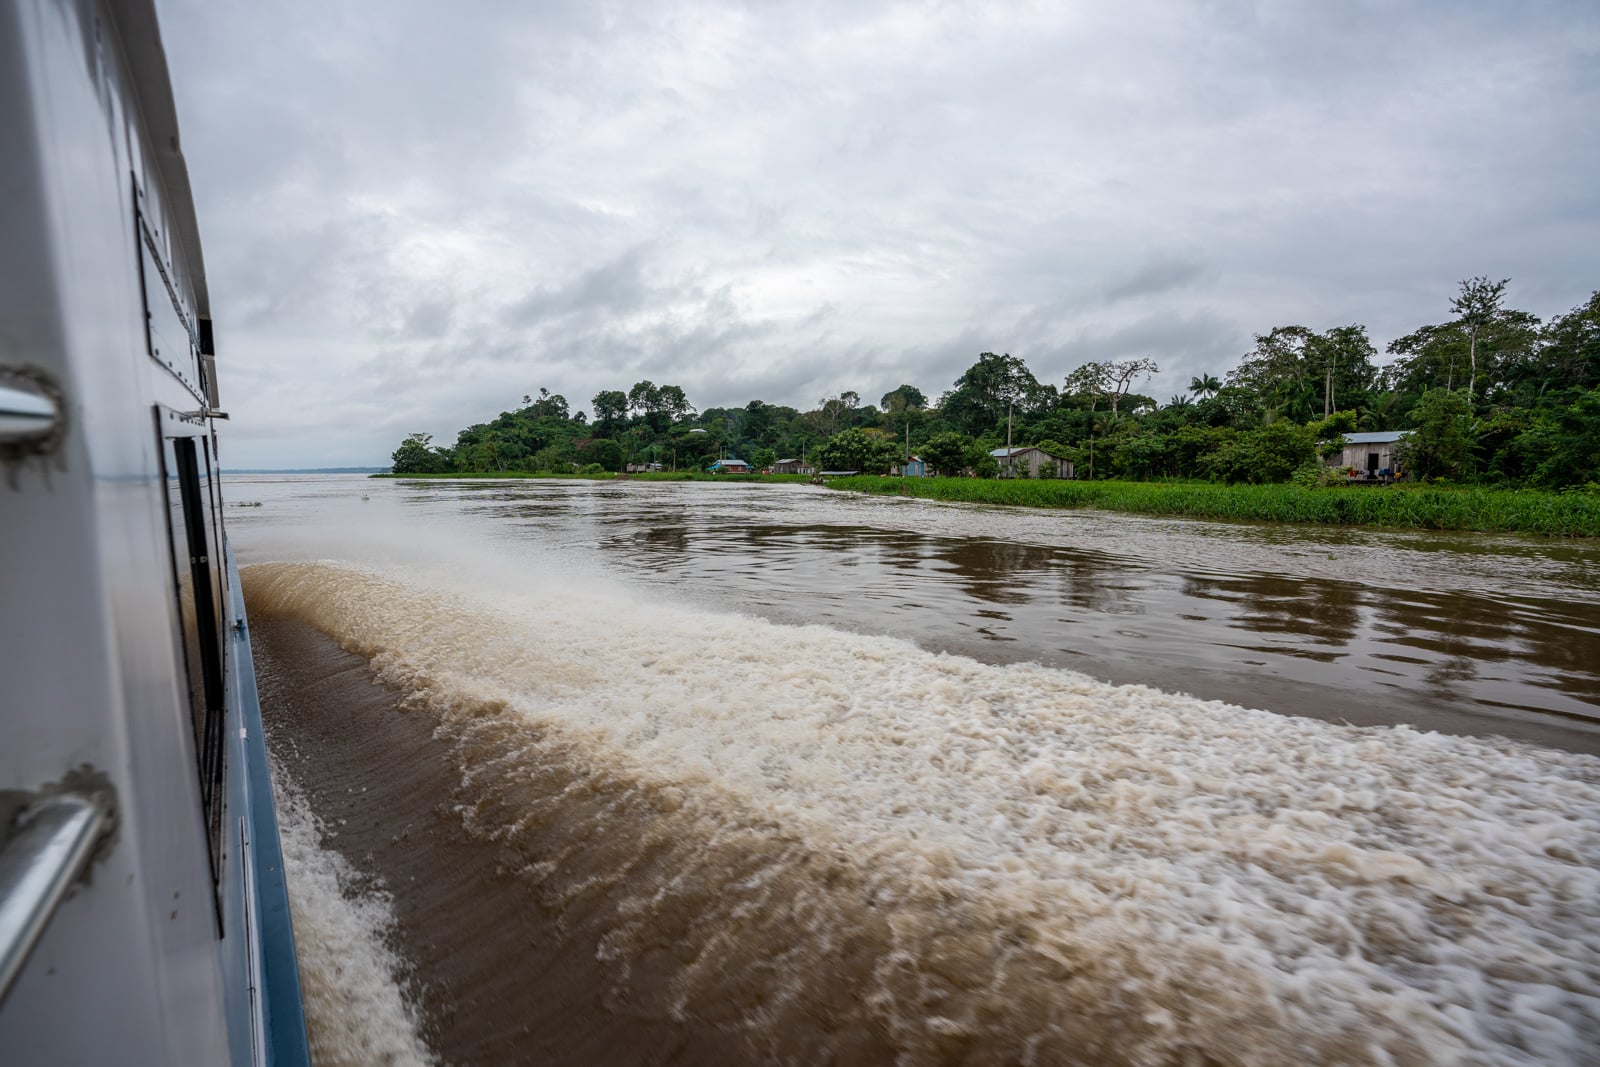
x=730 y=466
x=793 y=466
x=913 y=467
x=1370 y=455
x=1030 y=462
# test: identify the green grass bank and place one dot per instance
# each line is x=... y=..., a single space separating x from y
x=1532 y=511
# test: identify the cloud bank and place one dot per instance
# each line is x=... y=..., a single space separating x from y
x=415 y=213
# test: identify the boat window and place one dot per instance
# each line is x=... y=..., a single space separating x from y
x=168 y=337
x=194 y=559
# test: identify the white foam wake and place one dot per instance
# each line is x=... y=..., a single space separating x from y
x=351 y=981
x=1059 y=860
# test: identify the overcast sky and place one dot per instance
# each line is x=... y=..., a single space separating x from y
x=415 y=212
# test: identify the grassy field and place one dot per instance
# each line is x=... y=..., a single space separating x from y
x=1416 y=507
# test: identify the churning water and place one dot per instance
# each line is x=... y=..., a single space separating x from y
x=606 y=820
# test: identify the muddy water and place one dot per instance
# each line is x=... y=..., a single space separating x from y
x=499 y=977
x=624 y=809
x=1462 y=633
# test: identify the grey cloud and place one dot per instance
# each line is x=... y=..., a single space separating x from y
x=617 y=286
x=428 y=319
x=1155 y=278
x=447 y=206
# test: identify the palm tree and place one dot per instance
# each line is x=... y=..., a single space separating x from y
x=1381 y=413
x=1180 y=402
x=1205 y=384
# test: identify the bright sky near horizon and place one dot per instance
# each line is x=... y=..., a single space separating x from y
x=413 y=213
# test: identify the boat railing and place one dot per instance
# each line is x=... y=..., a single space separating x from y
x=50 y=845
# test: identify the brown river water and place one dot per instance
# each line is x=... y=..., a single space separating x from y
x=682 y=773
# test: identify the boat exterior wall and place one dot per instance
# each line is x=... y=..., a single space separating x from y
x=149 y=960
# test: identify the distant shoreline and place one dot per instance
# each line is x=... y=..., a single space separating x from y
x=303 y=470
x=607 y=476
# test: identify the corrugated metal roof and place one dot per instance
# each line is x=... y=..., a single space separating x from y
x=1381 y=437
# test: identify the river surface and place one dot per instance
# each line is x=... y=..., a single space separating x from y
x=686 y=772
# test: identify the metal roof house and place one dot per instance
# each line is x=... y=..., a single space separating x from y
x=1369 y=454
x=730 y=466
x=1030 y=462
x=793 y=466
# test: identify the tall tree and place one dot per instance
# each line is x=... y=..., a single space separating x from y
x=674 y=403
x=1570 y=354
x=1122 y=373
x=903 y=399
x=989 y=389
x=1088 y=381
x=1206 y=385
x=1427 y=358
x=549 y=405
x=1476 y=307
x=1276 y=370
x=1344 y=355
x=835 y=409
x=644 y=399
x=610 y=412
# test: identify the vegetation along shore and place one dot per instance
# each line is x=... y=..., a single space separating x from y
x=1570 y=514
x=1489 y=420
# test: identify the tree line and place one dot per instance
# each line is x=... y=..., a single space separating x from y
x=1491 y=395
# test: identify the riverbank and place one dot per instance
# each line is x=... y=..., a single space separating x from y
x=1415 y=507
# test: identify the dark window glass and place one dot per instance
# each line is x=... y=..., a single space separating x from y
x=195 y=573
x=187 y=616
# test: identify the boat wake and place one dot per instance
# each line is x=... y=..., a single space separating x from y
x=351 y=979
x=828 y=845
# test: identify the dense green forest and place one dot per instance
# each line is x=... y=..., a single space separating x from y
x=1491 y=396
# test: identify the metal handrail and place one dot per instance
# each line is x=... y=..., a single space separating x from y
x=25 y=414
x=47 y=851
